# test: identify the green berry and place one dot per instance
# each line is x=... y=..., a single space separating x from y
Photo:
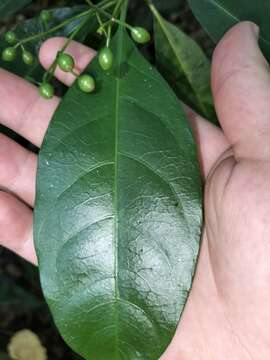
x=86 y=83
x=105 y=58
x=46 y=90
x=9 y=54
x=65 y=62
x=27 y=57
x=140 y=35
x=10 y=37
x=45 y=16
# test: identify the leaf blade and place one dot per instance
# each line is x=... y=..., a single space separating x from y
x=98 y=230
x=9 y=7
x=218 y=16
x=33 y=26
x=184 y=65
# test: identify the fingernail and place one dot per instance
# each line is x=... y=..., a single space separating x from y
x=255 y=29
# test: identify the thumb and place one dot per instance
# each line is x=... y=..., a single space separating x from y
x=241 y=89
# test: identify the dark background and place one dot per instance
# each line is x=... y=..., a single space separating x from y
x=21 y=301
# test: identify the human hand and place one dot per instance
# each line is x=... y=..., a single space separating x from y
x=23 y=110
x=227 y=315
x=227 y=312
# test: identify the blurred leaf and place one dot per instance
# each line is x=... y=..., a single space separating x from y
x=15 y=297
x=167 y=7
x=184 y=65
x=139 y=13
x=9 y=7
x=34 y=26
x=3 y=356
x=218 y=16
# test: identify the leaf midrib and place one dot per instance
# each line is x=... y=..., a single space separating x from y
x=226 y=11
x=116 y=290
x=219 y=6
x=116 y=168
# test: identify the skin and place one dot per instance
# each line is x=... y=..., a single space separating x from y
x=227 y=315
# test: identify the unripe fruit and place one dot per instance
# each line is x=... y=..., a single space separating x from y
x=46 y=90
x=9 y=54
x=65 y=62
x=86 y=83
x=27 y=57
x=105 y=58
x=140 y=35
x=10 y=37
x=45 y=16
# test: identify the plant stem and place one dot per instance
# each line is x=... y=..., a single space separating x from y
x=105 y=4
x=149 y=3
x=109 y=35
x=48 y=75
x=115 y=11
x=66 y=22
x=101 y=25
x=152 y=8
x=110 y=16
x=109 y=22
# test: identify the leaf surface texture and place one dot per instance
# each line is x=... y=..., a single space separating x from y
x=118 y=211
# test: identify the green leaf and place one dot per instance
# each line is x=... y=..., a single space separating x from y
x=140 y=15
x=3 y=356
x=9 y=7
x=167 y=7
x=34 y=26
x=118 y=211
x=184 y=65
x=218 y=16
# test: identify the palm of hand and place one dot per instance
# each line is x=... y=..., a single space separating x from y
x=237 y=255
x=227 y=314
x=231 y=293
x=230 y=290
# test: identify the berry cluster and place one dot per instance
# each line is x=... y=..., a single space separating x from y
x=45 y=16
x=65 y=61
x=9 y=54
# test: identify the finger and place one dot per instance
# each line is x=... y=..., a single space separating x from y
x=81 y=54
x=22 y=109
x=18 y=168
x=16 y=224
x=241 y=88
x=211 y=142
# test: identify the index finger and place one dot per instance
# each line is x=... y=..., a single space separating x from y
x=22 y=109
